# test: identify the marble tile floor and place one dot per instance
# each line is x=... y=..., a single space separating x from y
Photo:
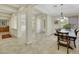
x=42 y=44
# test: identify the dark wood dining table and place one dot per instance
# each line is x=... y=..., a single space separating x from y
x=71 y=33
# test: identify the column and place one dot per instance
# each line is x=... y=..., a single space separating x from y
x=22 y=17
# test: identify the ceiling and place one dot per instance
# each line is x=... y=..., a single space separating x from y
x=6 y=10
x=52 y=9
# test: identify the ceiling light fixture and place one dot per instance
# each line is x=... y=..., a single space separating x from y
x=62 y=17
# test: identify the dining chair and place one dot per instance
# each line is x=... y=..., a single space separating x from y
x=76 y=31
x=74 y=39
x=63 y=40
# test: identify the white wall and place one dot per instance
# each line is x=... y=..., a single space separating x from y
x=49 y=25
x=14 y=21
x=39 y=24
x=21 y=33
x=18 y=25
x=13 y=25
x=78 y=25
x=21 y=24
x=38 y=28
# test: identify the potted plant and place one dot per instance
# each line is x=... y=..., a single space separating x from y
x=67 y=26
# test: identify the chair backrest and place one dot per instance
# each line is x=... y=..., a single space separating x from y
x=76 y=31
x=63 y=36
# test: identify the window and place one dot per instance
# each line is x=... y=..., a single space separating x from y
x=4 y=22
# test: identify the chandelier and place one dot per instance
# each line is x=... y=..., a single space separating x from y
x=62 y=17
